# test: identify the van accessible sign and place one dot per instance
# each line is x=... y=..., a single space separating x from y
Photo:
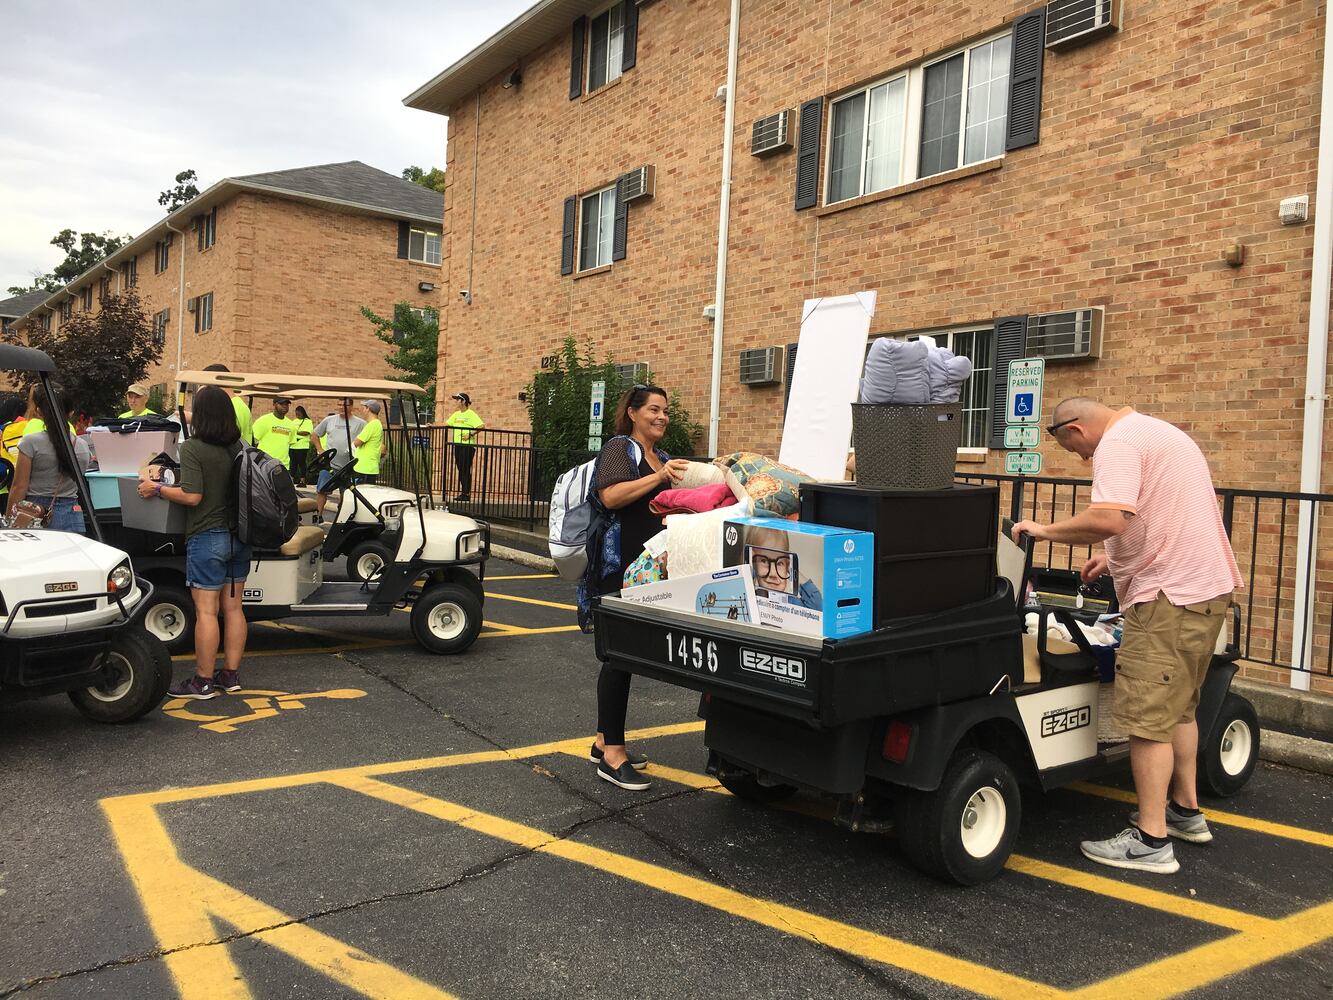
x=1026 y=377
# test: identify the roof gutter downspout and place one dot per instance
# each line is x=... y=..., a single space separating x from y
x=1316 y=382
x=180 y=311
x=723 y=227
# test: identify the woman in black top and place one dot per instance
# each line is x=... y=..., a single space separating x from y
x=631 y=470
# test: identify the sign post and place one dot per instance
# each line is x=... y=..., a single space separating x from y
x=1022 y=415
x=596 y=406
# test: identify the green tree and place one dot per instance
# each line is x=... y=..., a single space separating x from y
x=98 y=356
x=183 y=193
x=414 y=335
x=82 y=251
x=432 y=178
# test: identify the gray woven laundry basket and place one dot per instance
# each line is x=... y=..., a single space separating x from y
x=906 y=447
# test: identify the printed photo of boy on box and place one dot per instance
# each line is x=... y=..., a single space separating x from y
x=777 y=570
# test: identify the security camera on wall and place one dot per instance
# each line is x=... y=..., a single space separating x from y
x=466 y=295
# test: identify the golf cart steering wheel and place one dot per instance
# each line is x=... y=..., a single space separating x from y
x=341 y=478
x=324 y=460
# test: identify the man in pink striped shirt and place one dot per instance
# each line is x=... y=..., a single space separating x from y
x=1154 y=506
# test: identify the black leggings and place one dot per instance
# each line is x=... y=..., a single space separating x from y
x=612 y=704
x=463 y=455
x=299 y=458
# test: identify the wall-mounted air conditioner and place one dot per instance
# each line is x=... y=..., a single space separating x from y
x=1073 y=22
x=770 y=135
x=761 y=365
x=639 y=183
x=1066 y=336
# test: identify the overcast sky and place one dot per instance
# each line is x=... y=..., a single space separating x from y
x=104 y=103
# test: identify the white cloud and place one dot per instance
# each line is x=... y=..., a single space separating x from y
x=105 y=103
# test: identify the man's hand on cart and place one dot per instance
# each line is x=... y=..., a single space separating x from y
x=1093 y=568
x=1030 y=528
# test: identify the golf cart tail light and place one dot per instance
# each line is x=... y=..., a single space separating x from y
x=121 y=578
x=897 y=741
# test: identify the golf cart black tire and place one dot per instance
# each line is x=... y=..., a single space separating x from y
x=1214 y=778
x=170 y=593
x=464 y=601
x=929 y=824
x=749 y=788
x=150 y=677
x=362 y=549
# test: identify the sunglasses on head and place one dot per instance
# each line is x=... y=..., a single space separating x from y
x=1055 y=427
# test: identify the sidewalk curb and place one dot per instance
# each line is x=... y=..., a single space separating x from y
x=525 y=559
x=1296 y=751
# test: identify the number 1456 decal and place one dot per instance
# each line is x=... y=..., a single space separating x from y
x=691 y=651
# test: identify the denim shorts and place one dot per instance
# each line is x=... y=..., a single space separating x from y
x=213 y=558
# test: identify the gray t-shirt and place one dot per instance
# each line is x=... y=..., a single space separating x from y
x=337 y=429
x=46 y=478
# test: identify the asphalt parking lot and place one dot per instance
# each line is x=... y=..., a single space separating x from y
x=366 y=820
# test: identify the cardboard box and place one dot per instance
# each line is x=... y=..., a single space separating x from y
x=727 y=594
x=808 y=578
x=127 y=452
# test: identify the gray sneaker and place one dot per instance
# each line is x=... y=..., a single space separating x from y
x=1127 y=850
x=1191 y=828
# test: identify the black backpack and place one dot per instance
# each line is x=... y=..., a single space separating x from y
x=264 y=499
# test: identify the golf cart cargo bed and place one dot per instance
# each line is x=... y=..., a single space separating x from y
x=960 y=653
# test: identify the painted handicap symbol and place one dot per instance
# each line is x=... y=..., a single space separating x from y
x=262 y=705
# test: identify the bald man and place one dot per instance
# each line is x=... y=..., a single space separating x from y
x=1154 y=507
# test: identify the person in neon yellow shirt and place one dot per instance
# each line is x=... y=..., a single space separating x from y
x=464 y=423
x=369 y=444
x=137 y=398
x=303 y=440
x=274 y=432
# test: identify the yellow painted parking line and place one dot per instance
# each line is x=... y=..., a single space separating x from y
x=1196 y=968
x=1217 y=816
x=1128 y=892
x=818 y=930
x=531 y=600
x=702 y=782
x=523 y=576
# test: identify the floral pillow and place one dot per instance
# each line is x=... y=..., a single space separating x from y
x=775 y=488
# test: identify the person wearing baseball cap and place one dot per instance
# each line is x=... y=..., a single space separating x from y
x=137 y=398
x=274 y=432
x=464 y=424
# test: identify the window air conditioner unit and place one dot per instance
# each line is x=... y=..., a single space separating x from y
x=770 y=134
x=761 y=366
x=1066 y=336
x=630 y=375
x=639 y=183
x=191 y=305
x=1073 y=22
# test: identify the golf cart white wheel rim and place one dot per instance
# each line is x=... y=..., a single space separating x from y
x=166 y=621
x=369 y=565
x=983 y=821
x=446 y=621
x=124 y=671
x=1237 y=746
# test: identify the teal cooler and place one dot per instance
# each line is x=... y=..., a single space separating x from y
x=105 y=489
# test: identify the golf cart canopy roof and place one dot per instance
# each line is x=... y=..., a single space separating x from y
x=298 y=386
x=25 y=359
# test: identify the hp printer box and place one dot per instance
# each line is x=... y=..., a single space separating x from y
x=808 y=578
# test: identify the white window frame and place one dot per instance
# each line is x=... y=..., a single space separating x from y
x=427 y=235
x=910 y=165
x=613 y=68
x=578 y=230
x=944 y=337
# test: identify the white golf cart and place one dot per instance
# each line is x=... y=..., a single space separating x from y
x=428 y=556
x=71 y=607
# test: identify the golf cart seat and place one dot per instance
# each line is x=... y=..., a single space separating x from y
x=307 y=537
x=306 y=505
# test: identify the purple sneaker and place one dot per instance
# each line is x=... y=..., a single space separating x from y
x=195 y=688
x=227 y=680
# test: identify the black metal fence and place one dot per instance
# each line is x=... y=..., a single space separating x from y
x=1264 y=527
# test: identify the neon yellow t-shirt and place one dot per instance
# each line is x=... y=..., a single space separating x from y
x=273 y=436
x=145 y=412
x=37 y=425
x=368 y=455
x=465 y=424
x=302 y=434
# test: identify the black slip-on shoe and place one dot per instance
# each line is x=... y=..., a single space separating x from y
x=638 y=761
x=623 y=776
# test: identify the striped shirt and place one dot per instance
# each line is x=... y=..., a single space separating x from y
x=1175 y=543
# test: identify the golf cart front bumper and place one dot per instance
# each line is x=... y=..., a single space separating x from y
x=71 y=652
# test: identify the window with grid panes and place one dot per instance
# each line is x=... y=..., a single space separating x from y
x=423 y=245
x=978 y=346
x=597 y=217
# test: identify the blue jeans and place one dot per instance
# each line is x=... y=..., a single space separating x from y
x=66 y=514
x=214 y=558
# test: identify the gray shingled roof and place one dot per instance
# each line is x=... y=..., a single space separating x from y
x=354 y=182
x=19 y=305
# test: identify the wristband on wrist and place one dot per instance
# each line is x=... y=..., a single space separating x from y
x=158 y=488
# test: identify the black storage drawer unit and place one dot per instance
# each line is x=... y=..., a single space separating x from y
x=934 y=549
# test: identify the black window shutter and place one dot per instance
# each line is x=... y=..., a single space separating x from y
x=620 y=230
x=630 y=38
x=404 y=231
x=1011 y=334
x=1029 y=36
x=807 y=153
x=567 y=240
x=199 y=225
x=791 y=368
x=576 y=59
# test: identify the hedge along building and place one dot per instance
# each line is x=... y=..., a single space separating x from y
x=268 y=272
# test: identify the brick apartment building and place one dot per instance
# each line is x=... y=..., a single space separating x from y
x=1007 y=180
x=269 y=271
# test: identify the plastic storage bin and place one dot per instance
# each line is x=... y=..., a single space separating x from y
x=126 y=453
x=934 y=549
x=105 y=489
x=151 y=514
x=901 y=447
